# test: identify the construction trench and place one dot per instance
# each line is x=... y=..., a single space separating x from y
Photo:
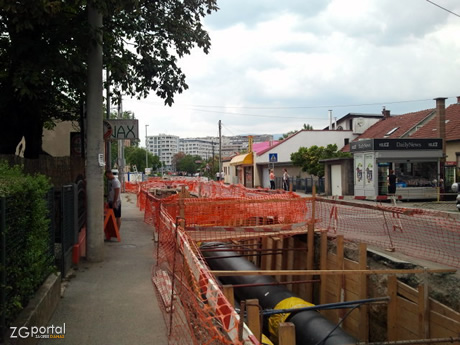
x=255 y=266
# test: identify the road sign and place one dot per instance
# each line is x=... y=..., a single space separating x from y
x=115 y=129
x=273 y=157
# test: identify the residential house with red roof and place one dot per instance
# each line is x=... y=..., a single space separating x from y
x=423 y=149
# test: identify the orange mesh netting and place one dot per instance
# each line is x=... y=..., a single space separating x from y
x=425 y=234
x=194 y=307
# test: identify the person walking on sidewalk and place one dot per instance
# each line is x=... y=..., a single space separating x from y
x=114 y=196
x=272 y=179
x=285 y=179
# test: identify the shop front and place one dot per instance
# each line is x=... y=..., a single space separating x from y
x=244 y=169
x=415 y=162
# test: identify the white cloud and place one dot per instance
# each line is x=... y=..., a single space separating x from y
x=295 y=59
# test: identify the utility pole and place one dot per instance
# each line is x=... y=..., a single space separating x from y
x=213 y=158
x=220 y=149
x=121 y=150
x=108 y=145
x=95 y=145
x=146 y=150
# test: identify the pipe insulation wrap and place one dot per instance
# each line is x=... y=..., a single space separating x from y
x=310 y=326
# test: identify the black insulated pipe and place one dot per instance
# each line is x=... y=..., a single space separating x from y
x=310 y=326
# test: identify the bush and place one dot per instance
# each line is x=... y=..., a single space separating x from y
x=29 y=257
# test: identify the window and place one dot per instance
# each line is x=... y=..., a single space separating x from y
x=391 y=132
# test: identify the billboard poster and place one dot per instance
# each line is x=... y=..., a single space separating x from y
x=369 y=169
x=359 y=163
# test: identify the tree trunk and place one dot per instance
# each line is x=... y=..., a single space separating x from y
x=33 y=132
x=12 y=124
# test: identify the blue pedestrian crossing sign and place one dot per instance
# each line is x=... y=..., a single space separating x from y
x=273 y=157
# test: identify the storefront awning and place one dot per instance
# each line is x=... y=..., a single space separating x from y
x=245 y=159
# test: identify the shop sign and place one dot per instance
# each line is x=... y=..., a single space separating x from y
x=396 y=144
x=121 y=129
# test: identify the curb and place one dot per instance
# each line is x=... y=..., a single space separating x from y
x=39 y=310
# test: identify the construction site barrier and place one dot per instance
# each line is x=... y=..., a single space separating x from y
x=187 y=212
x=425 y=234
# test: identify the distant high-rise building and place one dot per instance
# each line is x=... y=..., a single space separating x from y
x=166 y=146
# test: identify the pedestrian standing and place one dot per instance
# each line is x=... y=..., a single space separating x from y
x=285 y=179
x=392 y=183
x=272 y=179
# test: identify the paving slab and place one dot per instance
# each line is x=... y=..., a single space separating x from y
x=113 y=302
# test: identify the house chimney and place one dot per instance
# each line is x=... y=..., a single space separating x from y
x=441 y=116
x=330 y=119
x=385 y=113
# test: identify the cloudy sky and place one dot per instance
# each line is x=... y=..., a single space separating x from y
x=277 y=65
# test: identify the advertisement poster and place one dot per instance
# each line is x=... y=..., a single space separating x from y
x=369 y=169
x=359 y=169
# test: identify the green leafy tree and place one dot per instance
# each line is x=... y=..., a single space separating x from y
x=176 y=158
x=136 y=156
x=188 y=163
x=308 y=158
x=125 y=115
x=43 y=53
x=288 y=134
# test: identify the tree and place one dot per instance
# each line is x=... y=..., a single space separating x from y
x=188 y=163
x=288 y=134
x=177 y=158
x=43 y=46
x=308 y=158
x=136 y=156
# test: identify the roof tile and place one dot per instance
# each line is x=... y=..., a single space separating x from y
x=430 y=129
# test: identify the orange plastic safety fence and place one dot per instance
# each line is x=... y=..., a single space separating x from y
x=222 y=218
x=131 y=187
x=420 y=233
x=195 y=309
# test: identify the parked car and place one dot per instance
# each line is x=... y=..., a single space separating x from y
x=456 y=189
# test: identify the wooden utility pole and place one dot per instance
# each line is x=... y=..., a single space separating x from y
x=220 y=150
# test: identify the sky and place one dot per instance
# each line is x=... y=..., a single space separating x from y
x=277 y=65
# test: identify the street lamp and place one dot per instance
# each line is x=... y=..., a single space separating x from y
x=146 y=150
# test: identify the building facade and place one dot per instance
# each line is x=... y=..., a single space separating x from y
x=165 y=146
x=203 y=147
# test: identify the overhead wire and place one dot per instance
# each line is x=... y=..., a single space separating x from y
x=443 y=8
x=330 y=106
x=259 y=115
x=310 y=107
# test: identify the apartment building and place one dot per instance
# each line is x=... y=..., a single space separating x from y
x=165 y=146
x=203 y=147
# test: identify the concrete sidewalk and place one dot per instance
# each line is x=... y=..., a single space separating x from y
x=114 y=302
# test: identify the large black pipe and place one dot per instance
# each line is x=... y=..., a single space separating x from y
x=311 y=327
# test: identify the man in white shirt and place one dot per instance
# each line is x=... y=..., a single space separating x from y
x=114 y=197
